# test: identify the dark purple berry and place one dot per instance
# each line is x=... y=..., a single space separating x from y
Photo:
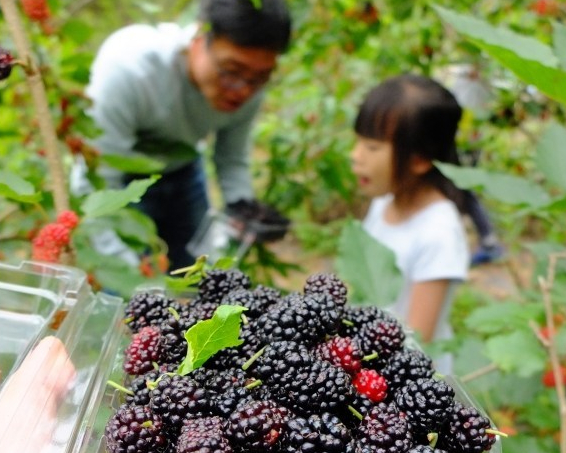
x=258 y=426
x=147 y=308
x=428 y=404
x=135 y=429
x=327 y=283
x=465 y=431
x=6 y=63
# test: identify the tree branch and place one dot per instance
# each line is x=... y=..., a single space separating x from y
x=39 y=96
x=546 y=285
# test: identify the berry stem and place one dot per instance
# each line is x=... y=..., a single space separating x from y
x=496 y=432
x=120 y=387
x=348 y=323
x=372 y=356
x=253 y=358
x=432 y=439
x=255 y=383
x=174 y=313
x=198 y=267
x=356 y=413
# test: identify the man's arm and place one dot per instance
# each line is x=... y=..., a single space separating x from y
x=114 y=110
x=232 y=156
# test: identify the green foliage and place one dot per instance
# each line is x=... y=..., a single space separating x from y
x=517 y=352
x=137 y=163
x=531 y=60
x=106 y=202
x=509 y=189
x=367 y=266
x=207 y=337
x=550 y=156
x=15 y=188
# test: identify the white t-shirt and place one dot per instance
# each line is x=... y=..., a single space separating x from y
x=431 y=245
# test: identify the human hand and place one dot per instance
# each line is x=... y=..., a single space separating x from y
x=264 y=220
x=31 y=397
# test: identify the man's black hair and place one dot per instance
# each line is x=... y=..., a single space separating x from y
x=264 y=24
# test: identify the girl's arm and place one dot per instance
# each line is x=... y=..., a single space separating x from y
x=425 y=305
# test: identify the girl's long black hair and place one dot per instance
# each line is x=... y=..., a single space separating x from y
x=417 y=115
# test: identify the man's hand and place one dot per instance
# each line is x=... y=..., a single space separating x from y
x=264 y=220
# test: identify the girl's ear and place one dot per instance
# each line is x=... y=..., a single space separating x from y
x=420 y=165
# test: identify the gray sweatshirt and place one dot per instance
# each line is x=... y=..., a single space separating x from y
x=140 y=88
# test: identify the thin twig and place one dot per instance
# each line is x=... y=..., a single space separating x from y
x=478 y=373
x=537 y=332
x=546 y=285
x=39 y=96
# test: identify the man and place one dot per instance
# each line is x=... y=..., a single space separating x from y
x=161 y=90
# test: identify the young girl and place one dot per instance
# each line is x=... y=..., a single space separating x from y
x=403 y=126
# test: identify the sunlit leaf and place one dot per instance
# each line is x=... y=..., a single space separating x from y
x=105 y=202
x=207 y=337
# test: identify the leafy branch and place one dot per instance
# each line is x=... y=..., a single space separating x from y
x=39 y=96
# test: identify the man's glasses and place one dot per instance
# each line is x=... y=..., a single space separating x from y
x=234 y=80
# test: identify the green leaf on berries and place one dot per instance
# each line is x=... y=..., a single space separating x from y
x=105 y=202
x=209 y=336
x=15 y=188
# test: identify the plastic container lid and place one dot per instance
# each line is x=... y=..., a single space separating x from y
x=44 y=303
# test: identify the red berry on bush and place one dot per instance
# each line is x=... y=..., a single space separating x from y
x=548 y=379
x=54 y=237
x=50 y=242
x=68 y=218
x=371 y=384
x=545 y=7
x=6 y=62
x=36 y=10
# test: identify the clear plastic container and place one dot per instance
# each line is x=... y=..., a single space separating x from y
x=39 y=300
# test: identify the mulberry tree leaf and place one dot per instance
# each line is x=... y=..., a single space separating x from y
x=209 y=336
x=367 y=266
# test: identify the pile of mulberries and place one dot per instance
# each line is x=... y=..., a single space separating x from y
x=313 y=375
